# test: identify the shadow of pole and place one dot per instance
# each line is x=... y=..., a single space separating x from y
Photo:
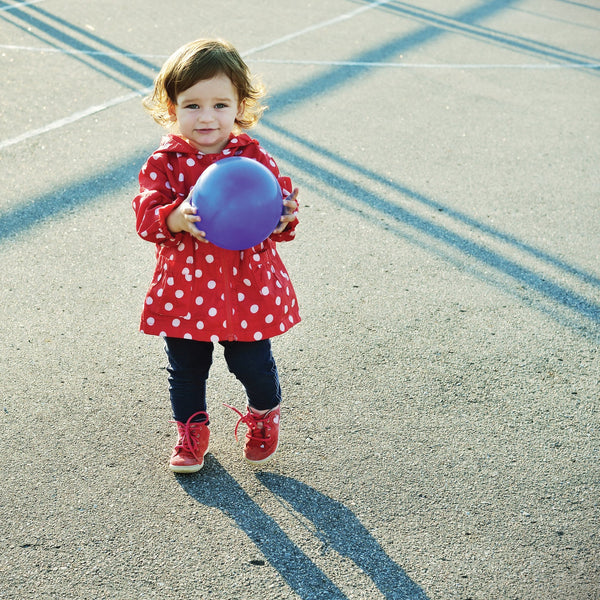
x=340 y=530
x=336 y=525
x=214 y=486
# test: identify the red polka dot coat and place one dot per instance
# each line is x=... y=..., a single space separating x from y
x=200 y=291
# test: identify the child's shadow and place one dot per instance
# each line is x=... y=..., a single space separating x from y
x=336 y=527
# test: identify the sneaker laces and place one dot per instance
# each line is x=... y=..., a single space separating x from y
x=188 y=441
x=254 y=422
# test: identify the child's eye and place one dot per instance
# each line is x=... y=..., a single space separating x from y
x=192 y=106
x=220 y=105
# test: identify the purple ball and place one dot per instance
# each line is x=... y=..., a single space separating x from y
x=239 y=201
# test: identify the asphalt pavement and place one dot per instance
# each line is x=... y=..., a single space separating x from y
x=440 y=423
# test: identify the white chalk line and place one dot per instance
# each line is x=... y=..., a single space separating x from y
x=66 y=51
x=15 y=6
x=73 y=118
x=326 y=63
x=396 y=65
x=114 y=102
x=338 y=19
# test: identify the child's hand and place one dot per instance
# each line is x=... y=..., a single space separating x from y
x=290 y=210
x=184 y=218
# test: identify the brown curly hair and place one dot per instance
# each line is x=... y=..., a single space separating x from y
x=197 y=61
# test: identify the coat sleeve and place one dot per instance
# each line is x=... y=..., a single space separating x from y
x=154 y=204
x=289 y=233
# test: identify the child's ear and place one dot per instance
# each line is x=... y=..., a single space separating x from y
x=241 y=109
x=171 y=109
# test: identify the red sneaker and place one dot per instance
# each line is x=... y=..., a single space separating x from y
x=262 y=438
x=192 y=445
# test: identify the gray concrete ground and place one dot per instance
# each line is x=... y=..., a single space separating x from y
x=440 y=427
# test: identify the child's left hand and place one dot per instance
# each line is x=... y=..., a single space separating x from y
x=290 y=211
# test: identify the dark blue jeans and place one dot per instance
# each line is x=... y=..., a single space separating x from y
x=189 y=364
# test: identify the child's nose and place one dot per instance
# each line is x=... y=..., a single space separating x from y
x=204 y=114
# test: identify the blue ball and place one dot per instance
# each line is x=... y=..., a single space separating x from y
x=239 y=202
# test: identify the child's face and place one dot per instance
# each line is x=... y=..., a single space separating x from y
x=206 y=112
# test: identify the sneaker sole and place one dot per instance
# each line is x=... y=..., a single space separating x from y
x=183 y=469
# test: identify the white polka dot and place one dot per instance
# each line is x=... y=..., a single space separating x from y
x=170 y=281
x=168 y=306
x=189 y=260
x=200 y=325
x=181 y=247
x=240 y=297
x=235 y=271
x=269 y=319
x=179 y=294
x=149 y=301
x=212 y=312
x=181 y=177
x=254 y=308
x=258 y=336
x=198 y=273
x=153 y=176
x=278 y=300
x=176 y=322
x=264 y=291
x=244 y=324
x=214 y=338
x=199 y=300
x=150 y=320
x=209 y=258
x=256 y=257
x=247 y=282
x=190 y=162
x=211 y=285
x=187 y=336
x=282 y=327
x=160 y=292
x=188 y=277
x=185 y=271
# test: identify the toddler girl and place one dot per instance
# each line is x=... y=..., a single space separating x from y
x=200 y=293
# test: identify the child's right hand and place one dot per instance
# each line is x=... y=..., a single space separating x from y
x=184 y=218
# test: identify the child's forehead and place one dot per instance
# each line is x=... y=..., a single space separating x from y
x=220 y=86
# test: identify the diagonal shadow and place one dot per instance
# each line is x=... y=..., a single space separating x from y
x=457 y=215
x=580 y=4
x=337 y=76
x=61 y=200
x=108 y=66
x=466 y=25
x=214 y=486
x=339 y=529
x=524 y=276
x=338 y=526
